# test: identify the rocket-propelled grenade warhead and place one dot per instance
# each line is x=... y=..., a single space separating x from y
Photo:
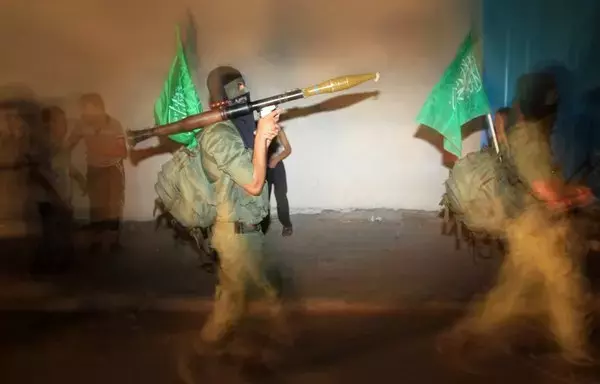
x=338 y=84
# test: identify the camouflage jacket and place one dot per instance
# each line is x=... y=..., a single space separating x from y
x=530 y=155
x=229 y=165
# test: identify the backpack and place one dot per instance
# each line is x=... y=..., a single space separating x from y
x=481 y=193
x=186 y=200
x=184 y=190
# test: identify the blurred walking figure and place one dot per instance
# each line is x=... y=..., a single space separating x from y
x=541 y=272
x=239 y=175
x=106 y=149
x=14 y=169
x=54 y=173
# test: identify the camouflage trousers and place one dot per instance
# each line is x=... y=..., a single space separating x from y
x=242 y=267
x=540 y=276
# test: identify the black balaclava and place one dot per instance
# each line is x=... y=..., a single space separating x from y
x=227 y=83
x=537 y=95
x=536 y=98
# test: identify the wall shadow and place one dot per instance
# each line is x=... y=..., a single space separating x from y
x=165 y=146
x=329 y=105
x=435 y=139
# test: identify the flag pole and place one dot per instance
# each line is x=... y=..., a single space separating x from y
x=493 y=132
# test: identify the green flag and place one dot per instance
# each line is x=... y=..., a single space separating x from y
x=179 y=98
x=456 y=99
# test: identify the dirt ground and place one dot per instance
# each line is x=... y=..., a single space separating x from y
x=366 y=256
x=151 y=347
x=126 y=317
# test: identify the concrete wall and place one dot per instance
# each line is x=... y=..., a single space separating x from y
x=363 y=156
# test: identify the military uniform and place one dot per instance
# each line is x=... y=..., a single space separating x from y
x=237 y=235
x=541 y=271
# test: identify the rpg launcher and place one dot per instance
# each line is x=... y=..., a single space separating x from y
x=227 y=111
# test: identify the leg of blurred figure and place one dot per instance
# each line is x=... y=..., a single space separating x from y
x=486 y=328
x=266 y=223
x=568 y=317
x=230 y=293
x=55 y=252
x=258 y=273
x=241 y=264
x=509 y=298
x=65 y=239
x=43 y=257
x=279 y=181
x=559 y=259
x=96 y=186
x=500 y=305
x=106 y=191
x=115 y=204
x=539 y=252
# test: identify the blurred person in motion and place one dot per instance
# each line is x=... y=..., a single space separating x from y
x=20 y=121
x=14 y=138
x=106 y=149
x=541 y=274
x=54 y=173
x=15 y=144
x=239 y=175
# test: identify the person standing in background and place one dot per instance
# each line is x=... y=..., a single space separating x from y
x=106 y=149
x=15 y=144
x=17 y=210
x=279 y=150
x=53 y=172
